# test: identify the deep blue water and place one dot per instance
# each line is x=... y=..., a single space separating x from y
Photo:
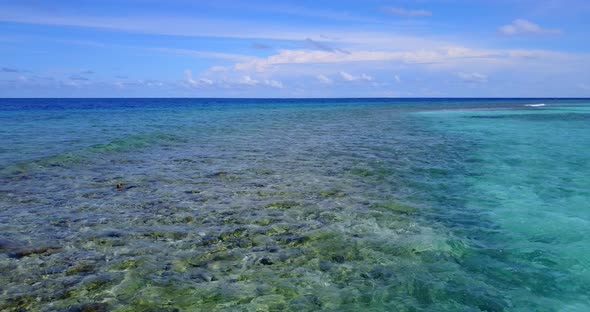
x=290 y=204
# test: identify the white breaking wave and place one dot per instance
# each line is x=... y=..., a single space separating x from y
x=535 y=105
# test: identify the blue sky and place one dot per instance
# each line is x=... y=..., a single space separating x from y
x=222 y=48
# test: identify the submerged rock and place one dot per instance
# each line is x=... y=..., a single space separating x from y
x=219 y=174
x=202 y=275
x=233 y=233
x=332 y=193
x=381 y=272
x=100 y=282
x=282 y=205
x=90 y=307
x=224 y=176
x=396 y=207
x=20 y=253
x=338 y=258
x=80 y=268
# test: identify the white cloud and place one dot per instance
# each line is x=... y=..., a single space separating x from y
x=206 y=81
x=408 y=13
x=349 y=77
x=249 y=81
x=522 y=26
x=201 y=82
x=206 y=54
x=473 y=77
x=397 y=78
x=323 y=79
x=346 y=76
x=315 y=57
x=366 y=77
x=228 y=82
x=422 y=56
x=150 y=83
x=273 y=83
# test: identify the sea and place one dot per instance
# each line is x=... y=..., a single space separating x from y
x=295 y=205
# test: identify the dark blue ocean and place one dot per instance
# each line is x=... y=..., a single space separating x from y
x=295 y=205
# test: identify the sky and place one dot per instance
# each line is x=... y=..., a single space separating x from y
x=320 y=48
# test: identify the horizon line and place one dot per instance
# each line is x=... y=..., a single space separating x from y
x=293 y=98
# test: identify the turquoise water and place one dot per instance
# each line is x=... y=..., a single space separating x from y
x=307 y=205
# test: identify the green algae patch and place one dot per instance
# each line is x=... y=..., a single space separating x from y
x=269 y=303
x=332 y=193
x=263 y=221
x=162 y=235
x=319 y=235
x=81 y=268
x=233 y=220
x=19 y=303
x=282 y=205
x=361 y=172
x=338 y=250
x=329 y=217
x=181 y=220
x=90 y=307
x=265 y=194
x=91 y=287
x=106 y=242
x=278 y=229
x=395 y=207
x=263 y=171
x=34 y=251
x=126 y=264
x=378 y=173
x=232 y=233
x=225 y=176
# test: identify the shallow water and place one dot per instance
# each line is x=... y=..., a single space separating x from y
x=255 y=205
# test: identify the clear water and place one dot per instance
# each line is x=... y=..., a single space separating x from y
x=306 y=205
